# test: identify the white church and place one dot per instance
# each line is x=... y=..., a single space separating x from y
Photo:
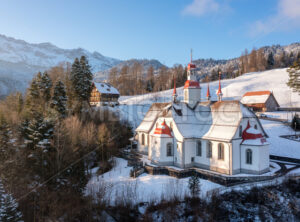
x=222 y=136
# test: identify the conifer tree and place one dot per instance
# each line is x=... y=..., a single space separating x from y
x=8 y=207
x=294 y=77
x=87 y=78
x=270 y=61
x=59 y=99
x=81 y=78
x=45 y=87
x=194 y=185
x=4 y=139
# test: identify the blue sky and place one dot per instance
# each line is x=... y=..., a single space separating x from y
x=154 y=29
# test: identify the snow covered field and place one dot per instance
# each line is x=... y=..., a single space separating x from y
x=145 y=188
x=134 y=108
x=281 y=146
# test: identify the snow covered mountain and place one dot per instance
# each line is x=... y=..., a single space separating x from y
x=20 y=60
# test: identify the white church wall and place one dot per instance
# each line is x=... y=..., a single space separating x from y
x=260 y=159
x=222 y=166
x=202 y=161
x=236 y=156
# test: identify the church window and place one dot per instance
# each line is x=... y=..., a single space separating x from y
x=255 y=126
x=221 y=151
x=199 y=148
x=209 y=150
x=249 y=156
x=143 y=139
x=169 y=149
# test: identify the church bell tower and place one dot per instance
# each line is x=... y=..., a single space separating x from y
x=192 y=90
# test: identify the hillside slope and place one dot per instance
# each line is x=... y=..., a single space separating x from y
x=273 y=80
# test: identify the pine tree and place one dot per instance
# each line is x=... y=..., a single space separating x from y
x=194 y=185
x=81 y=78
x=59 y=99
x=270 y=61
x=8 y=207
x=4 y=139
x=294 y=77
x=45 y=87
x=87 y=78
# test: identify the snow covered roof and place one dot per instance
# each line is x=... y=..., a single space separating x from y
x=255 y=97
x=151 y=116
x=106 y=88
x=217 y=120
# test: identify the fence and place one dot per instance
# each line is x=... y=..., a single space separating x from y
x=274 y=181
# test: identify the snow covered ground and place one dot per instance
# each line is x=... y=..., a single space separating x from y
x=281 y=146
x=145 y=188
x=273 y=80
x=134 y=108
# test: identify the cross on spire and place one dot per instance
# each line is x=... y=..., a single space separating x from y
x=191 y=55
x=219 y=93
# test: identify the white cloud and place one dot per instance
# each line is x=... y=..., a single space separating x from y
x=201 y=7
x=286 y=18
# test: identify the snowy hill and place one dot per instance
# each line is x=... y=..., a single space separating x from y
x=273 y=80
x=134 y=108
x=20 y=60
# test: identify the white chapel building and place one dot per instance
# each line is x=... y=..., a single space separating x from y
x=222 y=136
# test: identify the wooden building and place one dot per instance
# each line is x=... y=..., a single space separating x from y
x=104 y=94
x=260 y=101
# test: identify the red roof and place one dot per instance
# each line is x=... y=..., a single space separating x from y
x=191 y=84
x=163 y=130
x=251 y=136
x=191 y=66
x=257 y=93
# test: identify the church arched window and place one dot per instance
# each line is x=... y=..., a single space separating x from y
x=143 y=139
x=169 y=149
x=199 y=148
x=221 y=151
x=249 y=156
x=209 y=150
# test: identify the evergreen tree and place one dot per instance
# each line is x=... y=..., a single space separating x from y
x=81 y=78
x=8 y=207
x=4 y=139
x=294 y=77
x=59 y=99
x=270 y=61
x=194 y=185
x=45 y=87
x=87 y=78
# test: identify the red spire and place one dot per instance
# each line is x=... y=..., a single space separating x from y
x=163 y=130
x=174 y=90
x=208 y=92
x=219 y=90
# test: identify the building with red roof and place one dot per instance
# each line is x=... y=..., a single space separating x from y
x=260 y=101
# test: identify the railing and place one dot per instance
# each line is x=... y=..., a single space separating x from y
x=274 y=181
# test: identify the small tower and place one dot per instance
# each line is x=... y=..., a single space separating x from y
x=208 y=93
x=192 y=90
x=219 y=93
x=174 y=92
